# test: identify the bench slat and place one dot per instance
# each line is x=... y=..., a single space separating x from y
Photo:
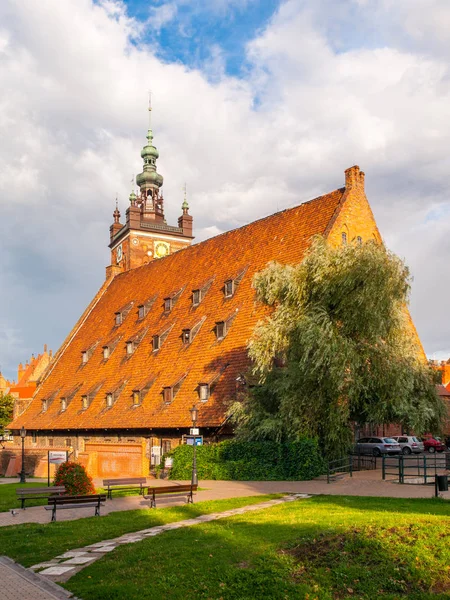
x=61 y=502
x=171 y=491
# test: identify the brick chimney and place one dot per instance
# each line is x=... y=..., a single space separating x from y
x=354 y=178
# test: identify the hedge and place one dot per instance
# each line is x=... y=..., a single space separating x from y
x=250 y=461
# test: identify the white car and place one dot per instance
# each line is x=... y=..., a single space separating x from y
x=409 y=444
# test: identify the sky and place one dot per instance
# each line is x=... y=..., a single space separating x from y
x=258 y=105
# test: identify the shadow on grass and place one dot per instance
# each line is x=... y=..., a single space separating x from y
x=286 y=552
x=423 y=506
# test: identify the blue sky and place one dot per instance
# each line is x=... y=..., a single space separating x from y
x=198 y=27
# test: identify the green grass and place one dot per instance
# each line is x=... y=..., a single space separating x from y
x=324 y=548
x=8 y=497
x=31 y=543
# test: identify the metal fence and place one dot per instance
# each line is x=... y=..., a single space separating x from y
x=419 y=468
x=350 y=463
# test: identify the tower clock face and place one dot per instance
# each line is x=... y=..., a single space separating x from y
x=119 y=253
x=161 y=249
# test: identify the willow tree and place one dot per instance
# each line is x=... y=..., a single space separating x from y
x=338 y=349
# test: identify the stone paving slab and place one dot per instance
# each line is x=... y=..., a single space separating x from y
x=64 y=566
x=18 y=583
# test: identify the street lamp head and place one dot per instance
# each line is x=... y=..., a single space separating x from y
x=23 y=432
x=194 y=413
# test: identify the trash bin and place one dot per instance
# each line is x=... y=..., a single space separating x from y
x=442 y=483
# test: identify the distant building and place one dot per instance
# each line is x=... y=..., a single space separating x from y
x=28 y=376
x=169 y=327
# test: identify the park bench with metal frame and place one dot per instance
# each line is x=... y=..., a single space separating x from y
x=126 y=483
x=40 y=493
x=171 y=491
x=62 y=502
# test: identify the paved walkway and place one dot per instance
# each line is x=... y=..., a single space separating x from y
x=363 y=483
x=62 y=567
x=18 y=583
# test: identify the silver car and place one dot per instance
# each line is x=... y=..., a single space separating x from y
x=409 y=444
x=376 y=446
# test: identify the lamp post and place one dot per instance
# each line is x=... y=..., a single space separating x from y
x=194 y=415
x=23 y=433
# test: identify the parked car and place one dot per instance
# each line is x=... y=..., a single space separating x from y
x=409 y=444
x=377 y=446
x=434 y=445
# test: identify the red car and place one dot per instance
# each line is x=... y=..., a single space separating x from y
x=432 y=445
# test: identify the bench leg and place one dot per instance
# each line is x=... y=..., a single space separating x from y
x=23 y=503
x=97 y=510
x=54 y=513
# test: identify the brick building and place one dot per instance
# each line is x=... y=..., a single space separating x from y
x=169 y=327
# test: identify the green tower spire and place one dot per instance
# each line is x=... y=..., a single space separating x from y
x=149 y=179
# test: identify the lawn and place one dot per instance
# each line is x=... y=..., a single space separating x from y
x=8 y=497
x=322 y=548
x=31 y=543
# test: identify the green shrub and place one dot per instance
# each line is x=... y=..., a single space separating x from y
x=250 y=461
x=74 y=478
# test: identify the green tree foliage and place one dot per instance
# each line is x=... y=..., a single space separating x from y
x=340 y=330
x=74 y=478
x=6 y=410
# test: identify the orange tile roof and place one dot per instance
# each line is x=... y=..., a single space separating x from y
x=282 y=237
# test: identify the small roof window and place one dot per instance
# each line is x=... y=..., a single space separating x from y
x=204 y=391
x=196 y=297
x=229 y=288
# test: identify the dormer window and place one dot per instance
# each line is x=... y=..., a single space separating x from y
x=359 y=240
x=344 y=238
x=84 y=402
x=130 y=347
x=63 y=404
x=229 y=288
x=167 y=304
x=136 y=397
x=221 y=330
x=203 y=391
x=84 y=357
x=109 y=399
x=186 y=336
x=118 y=318
x=156 y=342
x=196 y=297
x=106 y=352
x=168 y=394
x=141 y=311
x=44 y=405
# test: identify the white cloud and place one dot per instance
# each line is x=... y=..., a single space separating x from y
x=75 y=77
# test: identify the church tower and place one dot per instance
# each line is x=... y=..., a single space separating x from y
x=145 y=236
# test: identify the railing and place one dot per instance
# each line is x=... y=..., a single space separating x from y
x=350 y=463
x=340 y=465
x=419 y=466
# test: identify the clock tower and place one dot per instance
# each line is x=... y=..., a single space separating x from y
x=145 y=236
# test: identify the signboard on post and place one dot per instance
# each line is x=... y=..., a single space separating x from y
x=194 y=440
x=55 y=457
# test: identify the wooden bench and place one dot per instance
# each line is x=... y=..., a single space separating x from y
x=35 y=492
x=171 y=491
x=127 y=483
x=61 y=502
